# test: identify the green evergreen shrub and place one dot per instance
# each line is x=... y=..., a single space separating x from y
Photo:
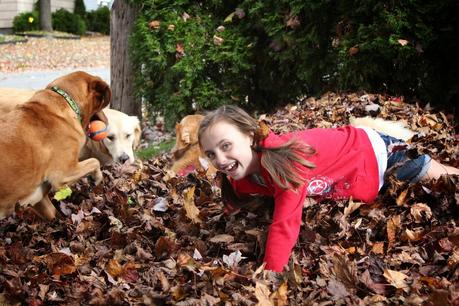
x=402 y=48
x=99 y=20
x=28 y=21
x=265 y=53
x=245 y=52
x=66 y=21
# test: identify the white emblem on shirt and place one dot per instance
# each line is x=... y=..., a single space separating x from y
x=319 y=186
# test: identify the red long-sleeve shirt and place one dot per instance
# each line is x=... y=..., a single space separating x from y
x=346 y=166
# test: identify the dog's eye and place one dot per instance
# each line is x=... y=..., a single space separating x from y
x=111 y=137
x=128 y=135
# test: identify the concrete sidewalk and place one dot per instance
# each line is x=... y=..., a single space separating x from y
x=39 y=79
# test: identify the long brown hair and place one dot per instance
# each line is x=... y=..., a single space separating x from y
x=281 y=162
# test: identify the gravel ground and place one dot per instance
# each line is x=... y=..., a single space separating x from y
x=51 y=54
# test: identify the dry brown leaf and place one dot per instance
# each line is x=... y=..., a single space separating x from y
x=222 y=238
x=371 y=284
x=114 y=268
x=454 y=258
x=154 y=24
x=378 y=248
x=353 y=50
x=403 y=42
x=262 y=294
x=165 y=285
x=414 y=235
x=337 y=290
x=401 y=199
x=393 y=224
x=351 y=250
x=396 y=278
x=418 y=210
x=351 y=207
x=130 y=274
x=345 y=270
x=60 y=263
x=218 y=41
x=431 y=281
x=280 y=296
x=164 y=246
x=178 y=293
x=192 y=212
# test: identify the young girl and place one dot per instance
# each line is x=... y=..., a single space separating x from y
x=334 y=163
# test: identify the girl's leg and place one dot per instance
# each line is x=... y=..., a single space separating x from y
x=437 y=169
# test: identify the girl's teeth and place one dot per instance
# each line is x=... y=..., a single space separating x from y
x=230 y=167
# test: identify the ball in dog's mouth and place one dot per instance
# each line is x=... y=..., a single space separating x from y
x=97 y=130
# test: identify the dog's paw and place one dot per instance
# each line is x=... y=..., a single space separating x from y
x=96 y=177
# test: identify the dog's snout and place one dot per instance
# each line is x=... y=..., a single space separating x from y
x=123 y=158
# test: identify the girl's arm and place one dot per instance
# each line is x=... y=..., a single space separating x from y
x=285 y=228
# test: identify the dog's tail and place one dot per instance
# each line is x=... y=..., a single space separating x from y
x=392 y=128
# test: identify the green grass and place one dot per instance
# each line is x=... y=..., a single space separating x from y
x=10 y=38
x=154 y=150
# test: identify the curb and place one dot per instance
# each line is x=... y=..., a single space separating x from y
x=12 y=42
x=57 y=36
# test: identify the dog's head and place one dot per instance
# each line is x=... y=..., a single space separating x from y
x=186 y=133
x=123 y=135
x=90 y=92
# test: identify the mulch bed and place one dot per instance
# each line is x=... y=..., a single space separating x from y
x=51 y=53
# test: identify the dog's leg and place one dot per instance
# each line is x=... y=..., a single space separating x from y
x=40 y=202
x=45 y=209
x=83 y=168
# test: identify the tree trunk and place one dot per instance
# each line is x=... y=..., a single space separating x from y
x=45 y=16
x=122 y=75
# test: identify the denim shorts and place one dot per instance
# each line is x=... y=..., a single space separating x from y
x=404 y=167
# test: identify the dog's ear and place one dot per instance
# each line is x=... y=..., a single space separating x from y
x=178 y=132
x=102 y=93
x=178 y=129
x=185 y=136
x=178 y=142
x=100 y=116
x=137 y=132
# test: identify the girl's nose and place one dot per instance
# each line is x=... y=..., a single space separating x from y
x=220 y=159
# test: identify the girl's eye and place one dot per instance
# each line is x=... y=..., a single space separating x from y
x=226 y=146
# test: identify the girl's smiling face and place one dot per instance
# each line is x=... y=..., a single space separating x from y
x=229 y=150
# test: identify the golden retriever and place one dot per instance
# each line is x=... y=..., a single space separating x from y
x=123 y=137
x=42 y=141
x=186 y=152
x=124 y=131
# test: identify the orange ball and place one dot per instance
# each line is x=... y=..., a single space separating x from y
x=97 y=130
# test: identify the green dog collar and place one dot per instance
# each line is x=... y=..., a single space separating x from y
x=70 y=101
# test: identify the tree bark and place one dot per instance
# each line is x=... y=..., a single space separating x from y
x=45 y=16
x=121 y=71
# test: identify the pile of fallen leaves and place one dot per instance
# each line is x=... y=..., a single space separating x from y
x=145 y=237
